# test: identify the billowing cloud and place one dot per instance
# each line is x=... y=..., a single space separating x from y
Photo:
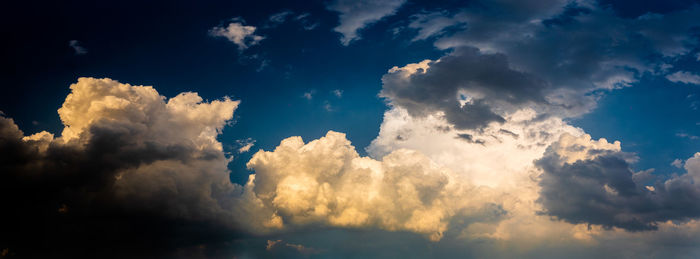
x=549 y=55
x=242 y=35
x=590 y=182
x=684 y=77
x=471 y=88
x=325 y=182
x=355 y=15
x=130 y=169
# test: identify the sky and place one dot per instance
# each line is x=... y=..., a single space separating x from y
x=350 y=129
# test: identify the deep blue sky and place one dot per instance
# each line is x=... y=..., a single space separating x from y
x=166 y=44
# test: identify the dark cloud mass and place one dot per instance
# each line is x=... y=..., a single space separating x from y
x=603 y=190
x=114 y=190
x=484 y=83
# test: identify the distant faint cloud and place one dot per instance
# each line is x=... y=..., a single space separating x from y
x=242 y=35
x=435 y=24
x=306 y=251
x=686 y=135
x=263 y=64
x=245 y=145
x=309 y=95
x=327 y=106
x=684 y=77
x=79 y=50
x=355 y=15
x=271 y=244
x=305 y=22
x=677 y=163
x=338 y=93
x=279 y=18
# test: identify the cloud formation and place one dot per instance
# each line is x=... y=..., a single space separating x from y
x=471 y=88
x=242 y=35
x=498 y=64
x=130 y=169
x=590 y=182
x=325 y=182
x=355 y=15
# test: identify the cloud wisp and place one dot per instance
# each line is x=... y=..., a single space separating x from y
x=355 y=15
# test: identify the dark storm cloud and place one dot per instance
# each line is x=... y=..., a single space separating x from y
x=113 y=190
x=603 y=190
x=484 y=82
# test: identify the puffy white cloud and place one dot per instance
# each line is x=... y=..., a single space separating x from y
x=242 y=35
x=326 y=182
x=503 y=162
x=355 y=15
x=684 y=77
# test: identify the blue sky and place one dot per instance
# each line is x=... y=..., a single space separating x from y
x=539 y=83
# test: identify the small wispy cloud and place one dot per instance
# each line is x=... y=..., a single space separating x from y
x=684 y=77
x=327 y=106
x=686 y=135
x=677 y=163
x=237 y=32
x=308 y=95
x=273 y=244
x=279 y=18
x=245 y=145
x=338 y=93
x=79 y=50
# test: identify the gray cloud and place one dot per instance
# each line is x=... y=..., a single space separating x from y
x=601 y=189
x=549 y=55
x=435 y=23
x=484 y=83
